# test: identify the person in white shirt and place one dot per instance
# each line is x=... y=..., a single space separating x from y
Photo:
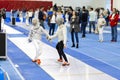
x=21 y=16
x=61 y=34
x=92 y=19
x=66 y=19
x=52 y=23
x=35 y=36
x=27 y=19
x=101 y=23
x=30 y=13
x=36 y=13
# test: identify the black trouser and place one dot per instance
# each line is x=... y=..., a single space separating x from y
x=60 y=47
x=0 y=24
x=83 y=25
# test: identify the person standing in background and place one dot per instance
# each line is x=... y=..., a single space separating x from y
x=21 y=16
x=92 y=19
x=114 y=17
x=55 y=8
x=74 y=29
x=107 y=18
x=52 y=23
x=84 y=21
x=41 y=16
x=30 y=13
x=36 y=13
x=100 y=24
x=27 y=18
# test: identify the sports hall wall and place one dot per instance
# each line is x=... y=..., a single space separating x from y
x=24 y=4
x=80 y=3
x=116 y=4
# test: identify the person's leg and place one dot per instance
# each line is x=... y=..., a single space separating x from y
x=30 y=19
x=81 y=27
x=84 y=29
x=93 y=26
x=72 y=37
x=101 y=34
x=38 y=48
x=42 y=23
x=115 y=33
x=50 y=29
x=2 y=23
x=83 y=34
x=90 y=23
x=112 y=33
x=77 y=39
x=53 y=27
x=61 y=47
x=58 y=50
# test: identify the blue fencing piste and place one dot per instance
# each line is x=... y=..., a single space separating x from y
x=2 y=74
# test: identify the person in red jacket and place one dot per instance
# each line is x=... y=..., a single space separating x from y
x=114 y=17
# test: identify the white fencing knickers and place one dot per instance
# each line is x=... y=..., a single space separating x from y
x=101 y=33
x=38 y=47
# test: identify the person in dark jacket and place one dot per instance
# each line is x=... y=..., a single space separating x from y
x=40 y=17
x=84 y=20
x=74 y=29
x=114 y=17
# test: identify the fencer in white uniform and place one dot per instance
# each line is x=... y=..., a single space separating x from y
x=35 y=36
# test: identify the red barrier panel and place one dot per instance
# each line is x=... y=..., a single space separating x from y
x=13 y=4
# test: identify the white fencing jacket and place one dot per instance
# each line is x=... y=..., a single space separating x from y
x=36 y=32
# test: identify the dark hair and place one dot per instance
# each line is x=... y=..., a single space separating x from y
x=83 y=7
x=91 y=8
x=71 y=8
x=41 y=7
x=118 y=12
x=115 y=10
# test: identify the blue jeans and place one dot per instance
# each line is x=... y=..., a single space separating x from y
x=52 y=28
x=91 y=23
x=114 y=33
x=76 y=36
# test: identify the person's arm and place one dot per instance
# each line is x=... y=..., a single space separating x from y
x=116 y=18
x=30 y=35
x=65 y=35
x=44 y=31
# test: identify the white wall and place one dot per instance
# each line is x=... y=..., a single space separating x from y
x=116 y=4
x=80 y=3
